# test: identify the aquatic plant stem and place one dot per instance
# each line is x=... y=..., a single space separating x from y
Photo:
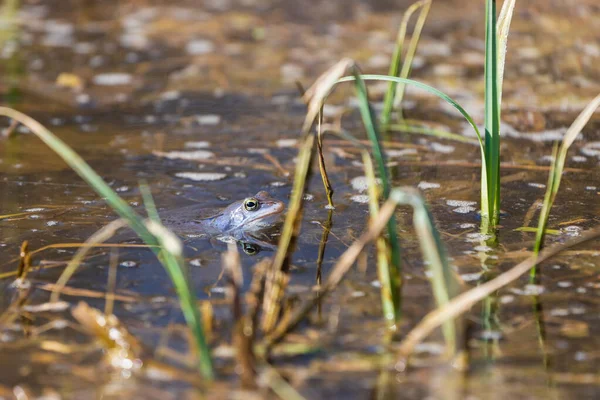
x=394 y=270
x=383 y=259
x=444 y=282
x=559 y=156
x=395 y=92
x=490 y=212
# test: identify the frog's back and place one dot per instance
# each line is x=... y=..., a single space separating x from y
x=186 y=220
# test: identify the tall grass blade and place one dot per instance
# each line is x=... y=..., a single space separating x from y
x=490 y=212
x=423 y=130
x=556 y=170
x=383 y=260
x=429 y=89
x=444 y=283
x=400 y=68
x=394 y=271
x=162 y=242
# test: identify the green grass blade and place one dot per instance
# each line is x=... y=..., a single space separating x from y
x=152 y=234
x=427 y=88
x=492 y=122
x=443 y=281
x=373 y=135
x=383 y=260
x=556 y=171
x=453 y=103
x=423 y=130
x=395 y=91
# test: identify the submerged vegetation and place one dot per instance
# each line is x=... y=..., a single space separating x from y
x=266 y=312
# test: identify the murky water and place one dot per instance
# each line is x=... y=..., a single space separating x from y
x=169 y=94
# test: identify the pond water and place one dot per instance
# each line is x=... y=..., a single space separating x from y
x=198 y=100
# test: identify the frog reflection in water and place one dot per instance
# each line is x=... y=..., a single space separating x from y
x=249 y=221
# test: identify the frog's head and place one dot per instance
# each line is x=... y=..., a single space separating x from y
x=253 y=213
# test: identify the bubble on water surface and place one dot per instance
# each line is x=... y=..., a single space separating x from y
x=360 y=198
x=196 y=262
x=464 y=209
x=482 y=248
x=536 y=185
x=208 y=119
x=128 y=264
x=460 y=203
x=186 y=155
x=428 y=185
x=201 y=176
x=197 y=145
x=441 y=148
x=572 y=230
x=477 y=237
x=170 y=95
x=591 y=149
x=399 y=153
x=471 y=277
x=490 y=335
x=83 y=98
x=286 y=142
x=529 y=290
x=361 y=183
x=112 y=79
x=199 y=47
x=431 y=348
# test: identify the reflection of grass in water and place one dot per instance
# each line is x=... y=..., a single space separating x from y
x=163 y=243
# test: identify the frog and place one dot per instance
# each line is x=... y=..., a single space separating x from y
x=251 y=214
x=252 y=222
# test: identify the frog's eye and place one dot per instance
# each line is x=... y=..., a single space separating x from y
x=250 y=249
x=251 y=204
